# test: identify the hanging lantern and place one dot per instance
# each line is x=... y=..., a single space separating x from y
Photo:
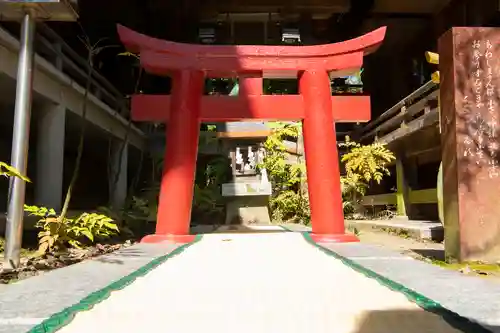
x=291 y=36
x=206 y=35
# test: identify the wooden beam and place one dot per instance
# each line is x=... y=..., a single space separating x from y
x=432 y=58
x=160 y=63
x=380 y=199
x=417 y=197
x=409 y=112
x=427 y=196
x=266 y=107
x=428 y=119
x=396 y=108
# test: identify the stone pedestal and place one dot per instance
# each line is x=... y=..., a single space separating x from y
x=470 y=113
x=248 y=210
x=247 y=202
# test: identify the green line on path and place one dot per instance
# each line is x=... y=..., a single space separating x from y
x=452 y=318
x=64 y=317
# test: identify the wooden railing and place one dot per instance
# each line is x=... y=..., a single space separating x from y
x=50 y=46
x=415 y=112
x=411 y=114
x=76 y=67
x=416 y=197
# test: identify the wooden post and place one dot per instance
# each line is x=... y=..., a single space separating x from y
x=403 y=190
x=433 y=58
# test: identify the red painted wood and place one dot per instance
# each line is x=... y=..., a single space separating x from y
x=251 y=85
x=176 y=189
x=272 y=107
x=156 y=238
x=322 y=161
x=136 y=42
x=339 y=238
x=164 y=63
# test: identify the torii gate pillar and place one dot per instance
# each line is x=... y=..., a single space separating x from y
x=322 y=163
x=179 y=166
x=183 y=111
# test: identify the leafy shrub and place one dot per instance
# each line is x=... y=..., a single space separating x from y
x=58 y=233
x=368 y=162
x=287 y=203
x=290 y=206
x=363 y=163
x=207 y=198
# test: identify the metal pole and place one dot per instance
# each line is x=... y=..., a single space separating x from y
x=20 y=140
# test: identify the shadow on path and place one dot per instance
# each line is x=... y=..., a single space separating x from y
x=418 y=321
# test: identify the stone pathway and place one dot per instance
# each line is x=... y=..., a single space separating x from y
x=259 y=282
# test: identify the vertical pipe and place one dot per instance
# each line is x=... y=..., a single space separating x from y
x=177 y=184
x=322 y=162
x=20 y=140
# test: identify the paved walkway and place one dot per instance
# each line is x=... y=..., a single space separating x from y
x=266 y=282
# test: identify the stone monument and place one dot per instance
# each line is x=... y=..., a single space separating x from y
x=470 y=112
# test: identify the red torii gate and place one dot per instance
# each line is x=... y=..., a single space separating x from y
x=186 y=107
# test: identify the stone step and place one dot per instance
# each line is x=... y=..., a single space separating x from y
x=420 y=230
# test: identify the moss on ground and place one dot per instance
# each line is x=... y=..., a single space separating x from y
x=471 y=265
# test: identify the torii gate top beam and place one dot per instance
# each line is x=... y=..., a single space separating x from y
x=161 y=57
x=137 y=42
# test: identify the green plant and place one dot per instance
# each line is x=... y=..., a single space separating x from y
x=92 y=51
x=363 y=164
x=207 y=197
x=59 y=233
x=288 y=203
x=9 y=171
x=290 y=206
x=353 y=189
x=369 y=162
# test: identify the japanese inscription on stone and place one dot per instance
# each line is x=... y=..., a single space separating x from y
x=480 y=109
